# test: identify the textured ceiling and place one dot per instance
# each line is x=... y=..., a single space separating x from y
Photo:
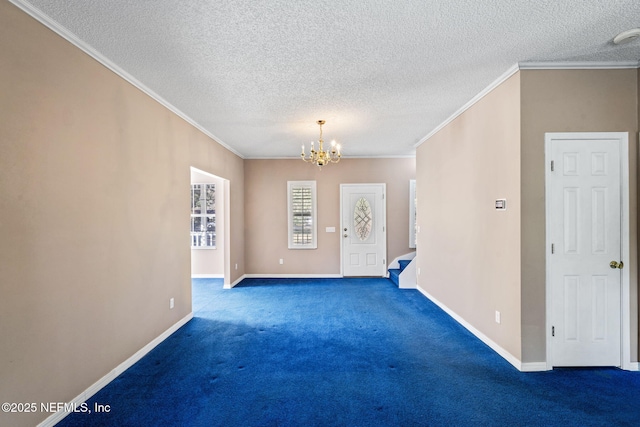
x=383 y=74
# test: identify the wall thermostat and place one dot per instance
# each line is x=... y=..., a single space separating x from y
x=501 y=204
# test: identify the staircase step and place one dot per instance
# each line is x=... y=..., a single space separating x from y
x=403 y=263
x=394 y=275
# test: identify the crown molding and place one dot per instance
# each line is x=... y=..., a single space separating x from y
x=407 y=156
x=497 y=82
x=604 y=65
x=384 y=156
x=63 y=32
x=531 y=66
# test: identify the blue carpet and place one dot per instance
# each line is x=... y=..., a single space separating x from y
x=345 y=352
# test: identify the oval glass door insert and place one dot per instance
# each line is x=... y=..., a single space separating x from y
x=362 y=219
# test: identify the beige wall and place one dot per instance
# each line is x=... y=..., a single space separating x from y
x=567 y=101
x=94 y=177
x=461 y=262
x=266 y=211
x=209 y=261
x=468 y=253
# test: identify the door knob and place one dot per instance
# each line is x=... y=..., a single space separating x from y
x=615 y=264
x=345 y=235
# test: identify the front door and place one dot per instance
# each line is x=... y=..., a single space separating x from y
x=584 y=207
x=363 y=229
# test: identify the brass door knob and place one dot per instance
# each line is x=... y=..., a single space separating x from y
x=615 y=264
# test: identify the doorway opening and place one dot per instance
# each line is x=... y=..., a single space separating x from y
x=209 y=227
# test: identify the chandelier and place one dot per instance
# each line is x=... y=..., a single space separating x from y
x=322 y=157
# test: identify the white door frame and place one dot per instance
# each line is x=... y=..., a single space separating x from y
x=227 y=234
x=222 y=223
x=384 y=213
x=625 y=323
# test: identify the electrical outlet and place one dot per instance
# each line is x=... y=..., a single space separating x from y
x=497 y=316
x=171 y=303
x=281 y=261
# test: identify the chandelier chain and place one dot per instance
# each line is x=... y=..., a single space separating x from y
x=322 y=157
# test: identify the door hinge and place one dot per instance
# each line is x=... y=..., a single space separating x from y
x=552 y=166
x=552 y=248
x=553 y=331
x=383 y=261
x=382 y=196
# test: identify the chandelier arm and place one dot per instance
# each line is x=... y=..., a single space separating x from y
x=322 y=157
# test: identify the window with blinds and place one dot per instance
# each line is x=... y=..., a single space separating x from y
x=302 y=214
x=203 y=216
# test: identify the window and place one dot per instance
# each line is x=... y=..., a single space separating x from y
x=302 y=214
x=203 y=216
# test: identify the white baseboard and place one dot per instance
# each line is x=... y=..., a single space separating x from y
x=55 y=418
x=522 y=367
x=207 y=276
x=533 y=367
x=282 y=276
x=238 y=280
x=293 y=276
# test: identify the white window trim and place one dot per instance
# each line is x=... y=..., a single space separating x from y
x=204 y=184
x=314 y=237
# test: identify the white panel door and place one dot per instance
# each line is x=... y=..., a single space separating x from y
x=585 y=232
x=363 y=229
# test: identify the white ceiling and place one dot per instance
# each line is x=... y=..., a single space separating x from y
x=257 y=74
